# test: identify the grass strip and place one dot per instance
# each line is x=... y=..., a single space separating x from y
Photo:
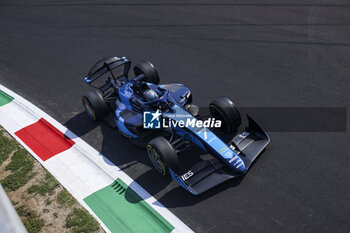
x=30 y=219
x=81 y=221
x=21 y=165
x=6 y=147
x=64 y=198
x=48 y=186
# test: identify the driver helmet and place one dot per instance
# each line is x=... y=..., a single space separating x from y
x=150 y=95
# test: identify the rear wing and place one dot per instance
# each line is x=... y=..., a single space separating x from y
x=107 y=64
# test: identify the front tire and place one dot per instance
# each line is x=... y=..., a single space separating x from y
x=148 y=69
x=223 y=109
x=162 y=155
x=94 y=104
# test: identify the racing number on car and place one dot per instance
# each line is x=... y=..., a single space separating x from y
x=187 y=175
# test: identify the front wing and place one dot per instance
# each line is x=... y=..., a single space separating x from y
x=206 y=174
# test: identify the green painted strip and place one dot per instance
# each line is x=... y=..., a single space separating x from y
x=121 y=209
x=4 y=98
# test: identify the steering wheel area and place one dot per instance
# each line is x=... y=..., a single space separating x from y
x=161 y=102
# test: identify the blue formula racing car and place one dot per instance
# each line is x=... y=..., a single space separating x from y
x=172 y=125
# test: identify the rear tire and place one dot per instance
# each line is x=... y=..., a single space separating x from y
x=162 y=155
x=223 y=109
x=147 y=68
x=94 y=104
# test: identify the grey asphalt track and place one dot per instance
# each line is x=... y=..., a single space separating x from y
x=259 y=53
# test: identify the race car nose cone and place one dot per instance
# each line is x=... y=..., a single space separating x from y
x=241 y=167
x=237 y=164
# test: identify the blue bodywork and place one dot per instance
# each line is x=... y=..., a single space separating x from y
x=201 y=136
x=128 y=105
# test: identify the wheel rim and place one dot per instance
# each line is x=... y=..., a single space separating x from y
x=155 y=159
x=89 y=109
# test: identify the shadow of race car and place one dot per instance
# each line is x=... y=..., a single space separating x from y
x=126 y=103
